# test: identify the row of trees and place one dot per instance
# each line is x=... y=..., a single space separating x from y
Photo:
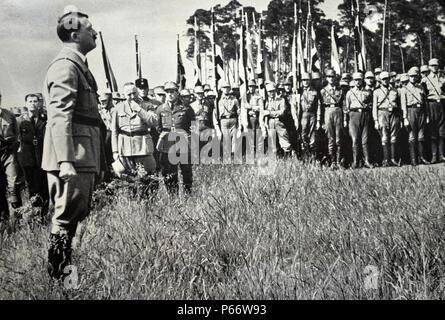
x=413 y=30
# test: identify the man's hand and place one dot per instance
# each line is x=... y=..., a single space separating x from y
x=377 y=126
x=115 y=155
x=318 y=125
x=297 y=125
x=135 y=107
x=345 y=123
x=427 y=120
x=67 y=171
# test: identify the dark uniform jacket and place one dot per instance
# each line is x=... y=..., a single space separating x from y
x=32 y=132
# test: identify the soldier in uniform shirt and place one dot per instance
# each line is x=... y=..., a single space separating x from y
x=203 y=109
x=424 y=71
x=131 y=139
x=32 y=131
x=358 y=107
x=386 y=114
x=309 y=113
x=175 y=121
x=332 y=99
x=435 y=87
x=413 y=98
x=251 y=107
x=9 y=166
x=227 y=118
x=274 y=111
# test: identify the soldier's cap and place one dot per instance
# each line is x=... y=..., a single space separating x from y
x=384 y=75
x=159 y=90
x=224 y=84
x=330 y=73
x=316 y=75
x=424 y=68
x=170 y=85
x=393 y=74
x=378 y=70
x=346 y=76
x=270 y=86
x=211 y=93
x=207 y=88
x=404 y=77
x=287 y=82
x=251 y=83
x=185 y=93
x=344 y=83
x=416 y=68
x=357 y=76
x=141 y=83
x=352 y=83
x=433 y=62
x=235 y=86
x=199 y=89
x=369 y=75
x=413 y=71
x=398 y=77
x=305 y=76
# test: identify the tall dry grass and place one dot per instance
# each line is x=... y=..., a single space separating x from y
x=303 y=233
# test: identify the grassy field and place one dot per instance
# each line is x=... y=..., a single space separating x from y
x=302 y=233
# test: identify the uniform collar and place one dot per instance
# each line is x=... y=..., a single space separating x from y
x=81 y=56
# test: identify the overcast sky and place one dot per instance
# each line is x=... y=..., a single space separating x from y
x=28 y=39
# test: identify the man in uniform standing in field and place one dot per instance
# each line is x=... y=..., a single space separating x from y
x=32 y=130
x=435 y=87
x=72 y=151
x=227 y=119
x=413 y=99
x=358 y=107
x=309 y=113
x=386 y=114
x=274 y=112
x=332 y=100
x=131 y=140
x=9 y=166
x=175 y=121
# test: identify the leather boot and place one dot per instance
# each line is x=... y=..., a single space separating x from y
x=412 y=152
x=394 y=160
x=441 y=149
x=339 y=155
x=59 y=254
x=433 y=151
x=385 y=162
x=355 y=163
x=422 y=158
x=367 y=163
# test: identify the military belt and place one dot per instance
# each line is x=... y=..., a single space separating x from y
x=138 y=133
x=360 y=110
x=414 y=106
x=86 y=121
x=229 y=117
x=331 y=105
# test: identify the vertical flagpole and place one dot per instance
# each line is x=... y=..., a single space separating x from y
x=384 y=35
x=137 y=55
x=389 y=37
x=294 y=51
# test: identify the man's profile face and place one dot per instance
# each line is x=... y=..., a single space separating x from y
x=413 y=79
x=131 y=93
x=385 y=82
x=86 y=35
x=434 y=68
x=306 y=83
x=330 y=79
